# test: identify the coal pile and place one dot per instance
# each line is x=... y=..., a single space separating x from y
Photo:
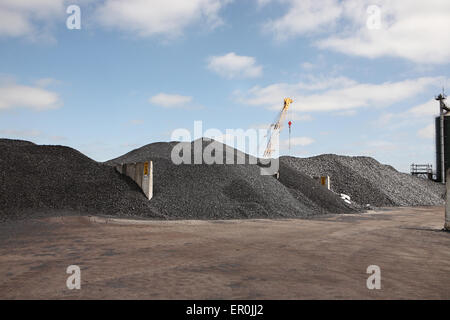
x=51 y=179
x=221 y=191
x=367 y=181
x=35 y=180
x=164 y=150
x=306 y=189
x=15 y=143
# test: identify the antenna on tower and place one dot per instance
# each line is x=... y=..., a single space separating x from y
x=444 y=109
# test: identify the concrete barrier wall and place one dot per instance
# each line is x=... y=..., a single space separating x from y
x=324 y=180
x=141 y=173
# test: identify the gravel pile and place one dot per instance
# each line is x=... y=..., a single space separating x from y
x=15 y=143
x=35 y=179
x=227 y=191
x=46 y=179
x=164 y=150
x=367 y=181
x=306 y=189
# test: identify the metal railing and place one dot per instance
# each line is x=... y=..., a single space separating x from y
x=425 y=170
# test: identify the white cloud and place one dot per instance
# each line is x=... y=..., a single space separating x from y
x=315 y=83
x=262 y=126
x=346 y=113
x=301 y=117
x=427 y=132
x=170 y=100
x=232 y=66
x=293 y=117
x=21 y=96
x=419 y=114
x=263 y=2
x=304 y=16
x=45 y=82
x=429 y=108
x=335 y=94
x=416 y=30
x=31 y=19
x=384 y=119
x=301 y=141
x=159 y=17
x=296 y=142
x=35 y=19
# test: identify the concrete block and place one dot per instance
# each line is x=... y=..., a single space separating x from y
x=141 y=173
x=325 y=181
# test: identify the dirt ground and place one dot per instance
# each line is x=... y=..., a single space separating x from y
x=321 y=258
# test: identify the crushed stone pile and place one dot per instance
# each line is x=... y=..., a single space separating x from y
x=49 y=179
x=222 y=191
x=36 y=179
x=16 y=143
x=367 y=181
x=306 y=189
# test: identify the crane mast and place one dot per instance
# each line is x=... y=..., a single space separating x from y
x=276 y=127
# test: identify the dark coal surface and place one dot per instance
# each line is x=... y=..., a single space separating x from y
x=16 y=143
x=367 y=181
x=221 y=191
x=41 y=180
x=306 y=189
x=36 y=179
x=51 y=179
x=165 y=149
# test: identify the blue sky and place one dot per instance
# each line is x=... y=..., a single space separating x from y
x=137 y=70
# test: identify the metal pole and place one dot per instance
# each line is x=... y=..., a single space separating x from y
x=447 y=208
x=289 y=140
x=442 y=143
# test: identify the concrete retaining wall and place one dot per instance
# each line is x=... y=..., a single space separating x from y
x=141 y=173
x=325 y=181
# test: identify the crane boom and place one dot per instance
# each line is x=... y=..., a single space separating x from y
x=276 y=127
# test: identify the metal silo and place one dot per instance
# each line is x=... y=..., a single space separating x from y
x=446 y=146
x=442 y=140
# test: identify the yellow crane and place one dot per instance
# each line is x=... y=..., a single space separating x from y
x=276 y=127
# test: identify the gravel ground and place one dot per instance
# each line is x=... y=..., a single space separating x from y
x=321 y=258
x=367 y=181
